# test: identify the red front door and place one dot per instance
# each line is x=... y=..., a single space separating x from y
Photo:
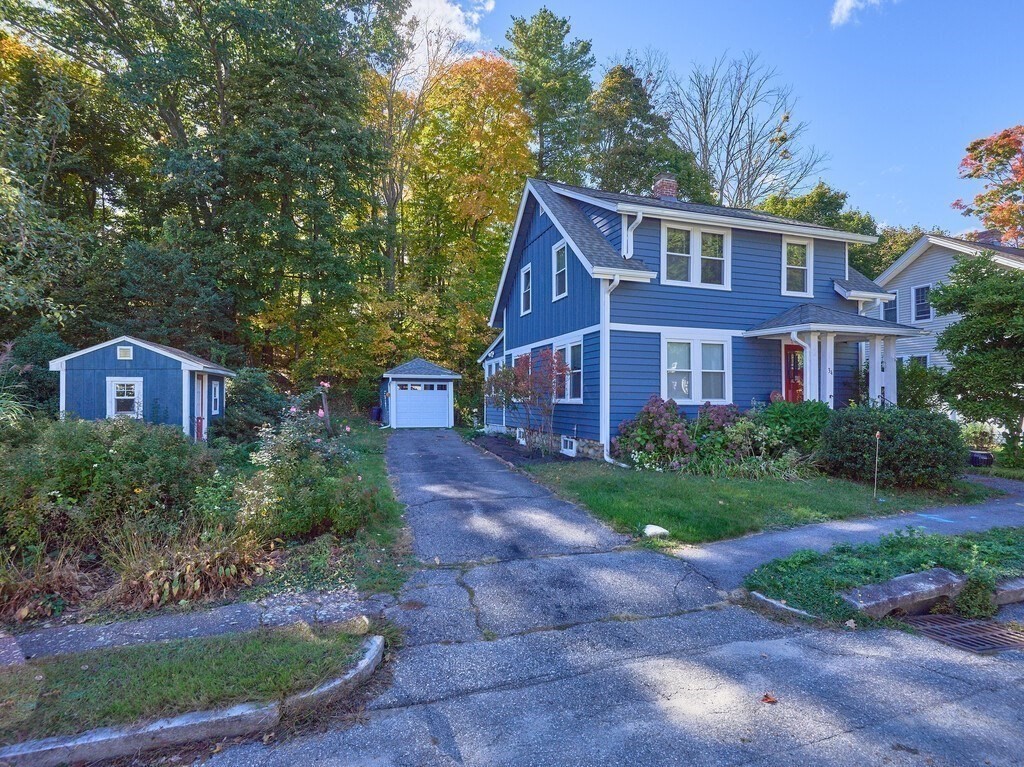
x=794 y=373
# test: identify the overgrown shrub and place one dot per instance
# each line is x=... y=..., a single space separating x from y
x=41 y=585
x=798 y=424
x=252 y=401
x=979 y=436
x=918 y=386
x=917 y=448
x=31 y=352
x=657 y=438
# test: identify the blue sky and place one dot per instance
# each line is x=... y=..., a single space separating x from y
x=893 y=94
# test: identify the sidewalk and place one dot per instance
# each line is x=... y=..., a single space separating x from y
x=726 y=563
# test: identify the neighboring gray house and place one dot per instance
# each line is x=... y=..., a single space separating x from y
x=911 y=278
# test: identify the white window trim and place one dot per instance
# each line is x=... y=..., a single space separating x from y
x=215 y=397
x=129 y=349
x=561 y=244
x=895 y=303
x=697 y=366
x=913 y=305
x=695 y=257
x=906 y=358
x=567 y=346
x=528 y=269
x=139 y=401
x=786 y=241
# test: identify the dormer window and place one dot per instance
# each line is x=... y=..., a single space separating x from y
x=797 y=267
x=559 y=271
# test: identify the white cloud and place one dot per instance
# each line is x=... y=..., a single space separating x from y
x=843 y=10
x=450 y=15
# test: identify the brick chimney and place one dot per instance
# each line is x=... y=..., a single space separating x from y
x=666 y=187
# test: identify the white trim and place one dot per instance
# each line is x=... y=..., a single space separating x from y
x=896 y=303
x=706 y=334
x=130 y=353
x=735 y=222
x=568 y=446
x=528 y=269
x=846 y=258
x=696 y=235
x=862 y=295
x=597 y=203
x=628 y=275
x=604 y=407
x=913 y=305
x=906 y=358
x=552 y=341
x=560 y=245
x=508 y=255
x=927 y=240
x=186 y=400
x=490 y=349
x=696 y=343
x=112 y=381
x=185 y=362
x=808 y=269
x=63 y=391
x=215 y=395
x=567 y=346
x=414 y=377
x=820 y=327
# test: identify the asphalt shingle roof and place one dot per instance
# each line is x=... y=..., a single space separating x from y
x=859 y=282
x=596 y=249
x=1016 y=254
x=688 y=207
x=816 y=314
x=192 y=358
x=420 y=367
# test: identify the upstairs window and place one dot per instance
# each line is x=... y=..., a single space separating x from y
x=797 y=265
x=525 y=290
x=560 y=271
x=922 y=307
x=890 y=310
x=695 y=256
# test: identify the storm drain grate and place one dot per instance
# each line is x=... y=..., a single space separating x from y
x=974 y=636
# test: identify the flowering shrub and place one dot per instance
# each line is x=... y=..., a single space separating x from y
x=657 y=438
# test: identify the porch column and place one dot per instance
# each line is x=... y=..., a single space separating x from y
x=889 y=377
x=828 y=364
x=812 y=369
x=875 y=369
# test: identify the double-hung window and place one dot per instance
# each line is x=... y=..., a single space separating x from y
x=890 y=310
x=569 y=387
x=559 y=271
x=215 y=398
x=695 y=256
x=797 y=267
x=696 y=371
x=525 y=290
x=124 y=398
x=922 y=307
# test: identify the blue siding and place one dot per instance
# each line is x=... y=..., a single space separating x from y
x=493 y=416
x=845 y=368
x=86 y=383
x=756 y=285
x=580 y=309
x=635 y=374
x=756 y=371
x=607 y=221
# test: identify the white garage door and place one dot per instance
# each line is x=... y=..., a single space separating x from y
x=422 y=404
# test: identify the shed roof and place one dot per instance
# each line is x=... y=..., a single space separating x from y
x=420 y=368
x=191 y=360
x=856 y=282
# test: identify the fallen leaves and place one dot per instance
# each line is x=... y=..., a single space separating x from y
x=769 y=698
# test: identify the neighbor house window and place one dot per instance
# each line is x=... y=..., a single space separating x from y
x=525 y=290
x=797 y=265
x=695 y=256
x=570 y=387
x=696 y=371
x=124 y=398
x=890 y=311
x=560 y=271
x=919 y=359
x=125 y=352
x=922 y=307
x=215 y=398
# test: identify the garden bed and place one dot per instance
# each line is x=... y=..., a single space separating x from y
x=511 y=451
x=815 y=581
x=698 y=509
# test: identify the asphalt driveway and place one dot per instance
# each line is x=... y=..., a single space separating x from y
x=537 y=636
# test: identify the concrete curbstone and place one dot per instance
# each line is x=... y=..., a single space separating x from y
x=779 y=607
x=328 y=692
x=10 y=651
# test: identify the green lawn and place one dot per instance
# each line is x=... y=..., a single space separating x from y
x=73 y=693
x=376 y=559
x=812 y=581
x=700 y=509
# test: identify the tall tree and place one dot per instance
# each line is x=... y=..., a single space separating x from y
x=628 y=141
x=554 y=79
x=985 y=347
x=998 y=160
x=737 y=121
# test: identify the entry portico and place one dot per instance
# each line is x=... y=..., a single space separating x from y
x=808 y=335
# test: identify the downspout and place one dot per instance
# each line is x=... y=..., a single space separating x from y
x=606 y=372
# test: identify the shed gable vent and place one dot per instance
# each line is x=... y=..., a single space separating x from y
x=125 y=352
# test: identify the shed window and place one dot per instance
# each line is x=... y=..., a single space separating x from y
x=215 y=398
x=124 y=398
x=125 y=352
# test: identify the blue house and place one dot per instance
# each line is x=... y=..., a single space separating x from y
x=698 y=303
x=131 y=378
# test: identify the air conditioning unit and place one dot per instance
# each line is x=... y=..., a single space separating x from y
x=521 y=436
x=568 y=446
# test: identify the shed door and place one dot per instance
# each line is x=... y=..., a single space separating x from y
x=422 y=404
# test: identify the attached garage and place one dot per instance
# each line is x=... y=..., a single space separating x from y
x=418 y=395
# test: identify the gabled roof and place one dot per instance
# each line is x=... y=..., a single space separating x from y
x=728 y=216
x=490 y=348
x=420 y=368
x=189 y=361
x=815 y=317
x=1001 y=254
x=856 y=285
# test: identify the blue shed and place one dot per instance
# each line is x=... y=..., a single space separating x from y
x=131 y=378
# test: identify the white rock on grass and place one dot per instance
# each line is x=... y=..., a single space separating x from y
x=653 y=531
